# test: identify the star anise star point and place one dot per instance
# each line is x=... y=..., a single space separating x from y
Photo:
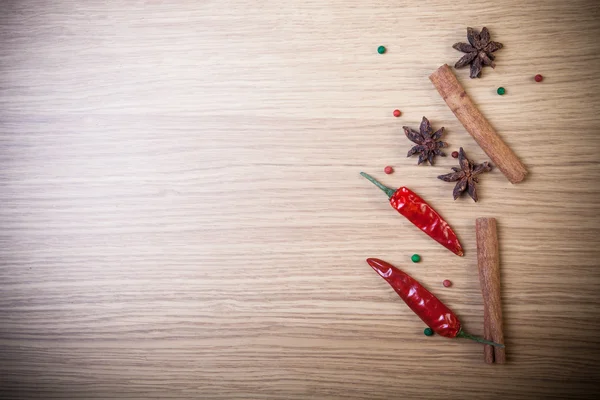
x=466 y=175
x=478 y=51
x=427 y=142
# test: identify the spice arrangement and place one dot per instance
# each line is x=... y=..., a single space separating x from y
x=479 y=53
x=429 y=308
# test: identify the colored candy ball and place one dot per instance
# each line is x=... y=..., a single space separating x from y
x=501 y=91
x=428 y=332
x=397 y=113
x=388 y=170
x=415 y=258
x=539 y=78
x=447 y=283
x=381 y=49
x=455 y=154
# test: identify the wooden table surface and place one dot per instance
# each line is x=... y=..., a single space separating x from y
x=182 y=213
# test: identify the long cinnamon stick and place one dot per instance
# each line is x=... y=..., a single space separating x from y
x=488 y=262
x=475 y=123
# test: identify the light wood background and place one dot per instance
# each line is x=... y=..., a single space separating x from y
x=182 y=213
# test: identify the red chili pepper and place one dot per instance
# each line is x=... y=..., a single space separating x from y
x=428 y=307
x=417 y=211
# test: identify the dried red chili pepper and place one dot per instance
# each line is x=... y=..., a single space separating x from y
x=417 y=211
x=428 y=307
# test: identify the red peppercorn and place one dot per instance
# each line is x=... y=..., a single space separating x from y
x=388 y=170
x=447 y=283
x=455 y=154
x=539 y=78
x=397 y=113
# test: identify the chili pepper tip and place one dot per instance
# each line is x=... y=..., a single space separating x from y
x=379 y=266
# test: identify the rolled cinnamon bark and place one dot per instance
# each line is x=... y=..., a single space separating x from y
x=475 y=123
x=488 y=262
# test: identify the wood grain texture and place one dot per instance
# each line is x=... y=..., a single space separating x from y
x=182 y=214
x=488 y=264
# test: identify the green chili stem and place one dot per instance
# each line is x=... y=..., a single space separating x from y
x=466 y=335
x=389 y=191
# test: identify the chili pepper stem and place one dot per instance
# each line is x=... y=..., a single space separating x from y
x=466 y=335
x=389 y=191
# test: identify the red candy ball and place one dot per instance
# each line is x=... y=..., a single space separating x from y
x=447 y=283
x=539 y=78
x=388 y=170
x=397 y=113
x=455 y=154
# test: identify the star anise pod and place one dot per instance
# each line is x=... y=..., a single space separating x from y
x=428 y=143
x=466 y=175
x=479 y=51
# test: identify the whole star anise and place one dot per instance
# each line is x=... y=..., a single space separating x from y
x=428 y=143
x=479 y=51
x=466 y=175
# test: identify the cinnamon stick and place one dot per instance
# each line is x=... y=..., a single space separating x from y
x=475 y=123
x=488 y=262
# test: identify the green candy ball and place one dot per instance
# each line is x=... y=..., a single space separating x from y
x=415 y=258
x=428 y=332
